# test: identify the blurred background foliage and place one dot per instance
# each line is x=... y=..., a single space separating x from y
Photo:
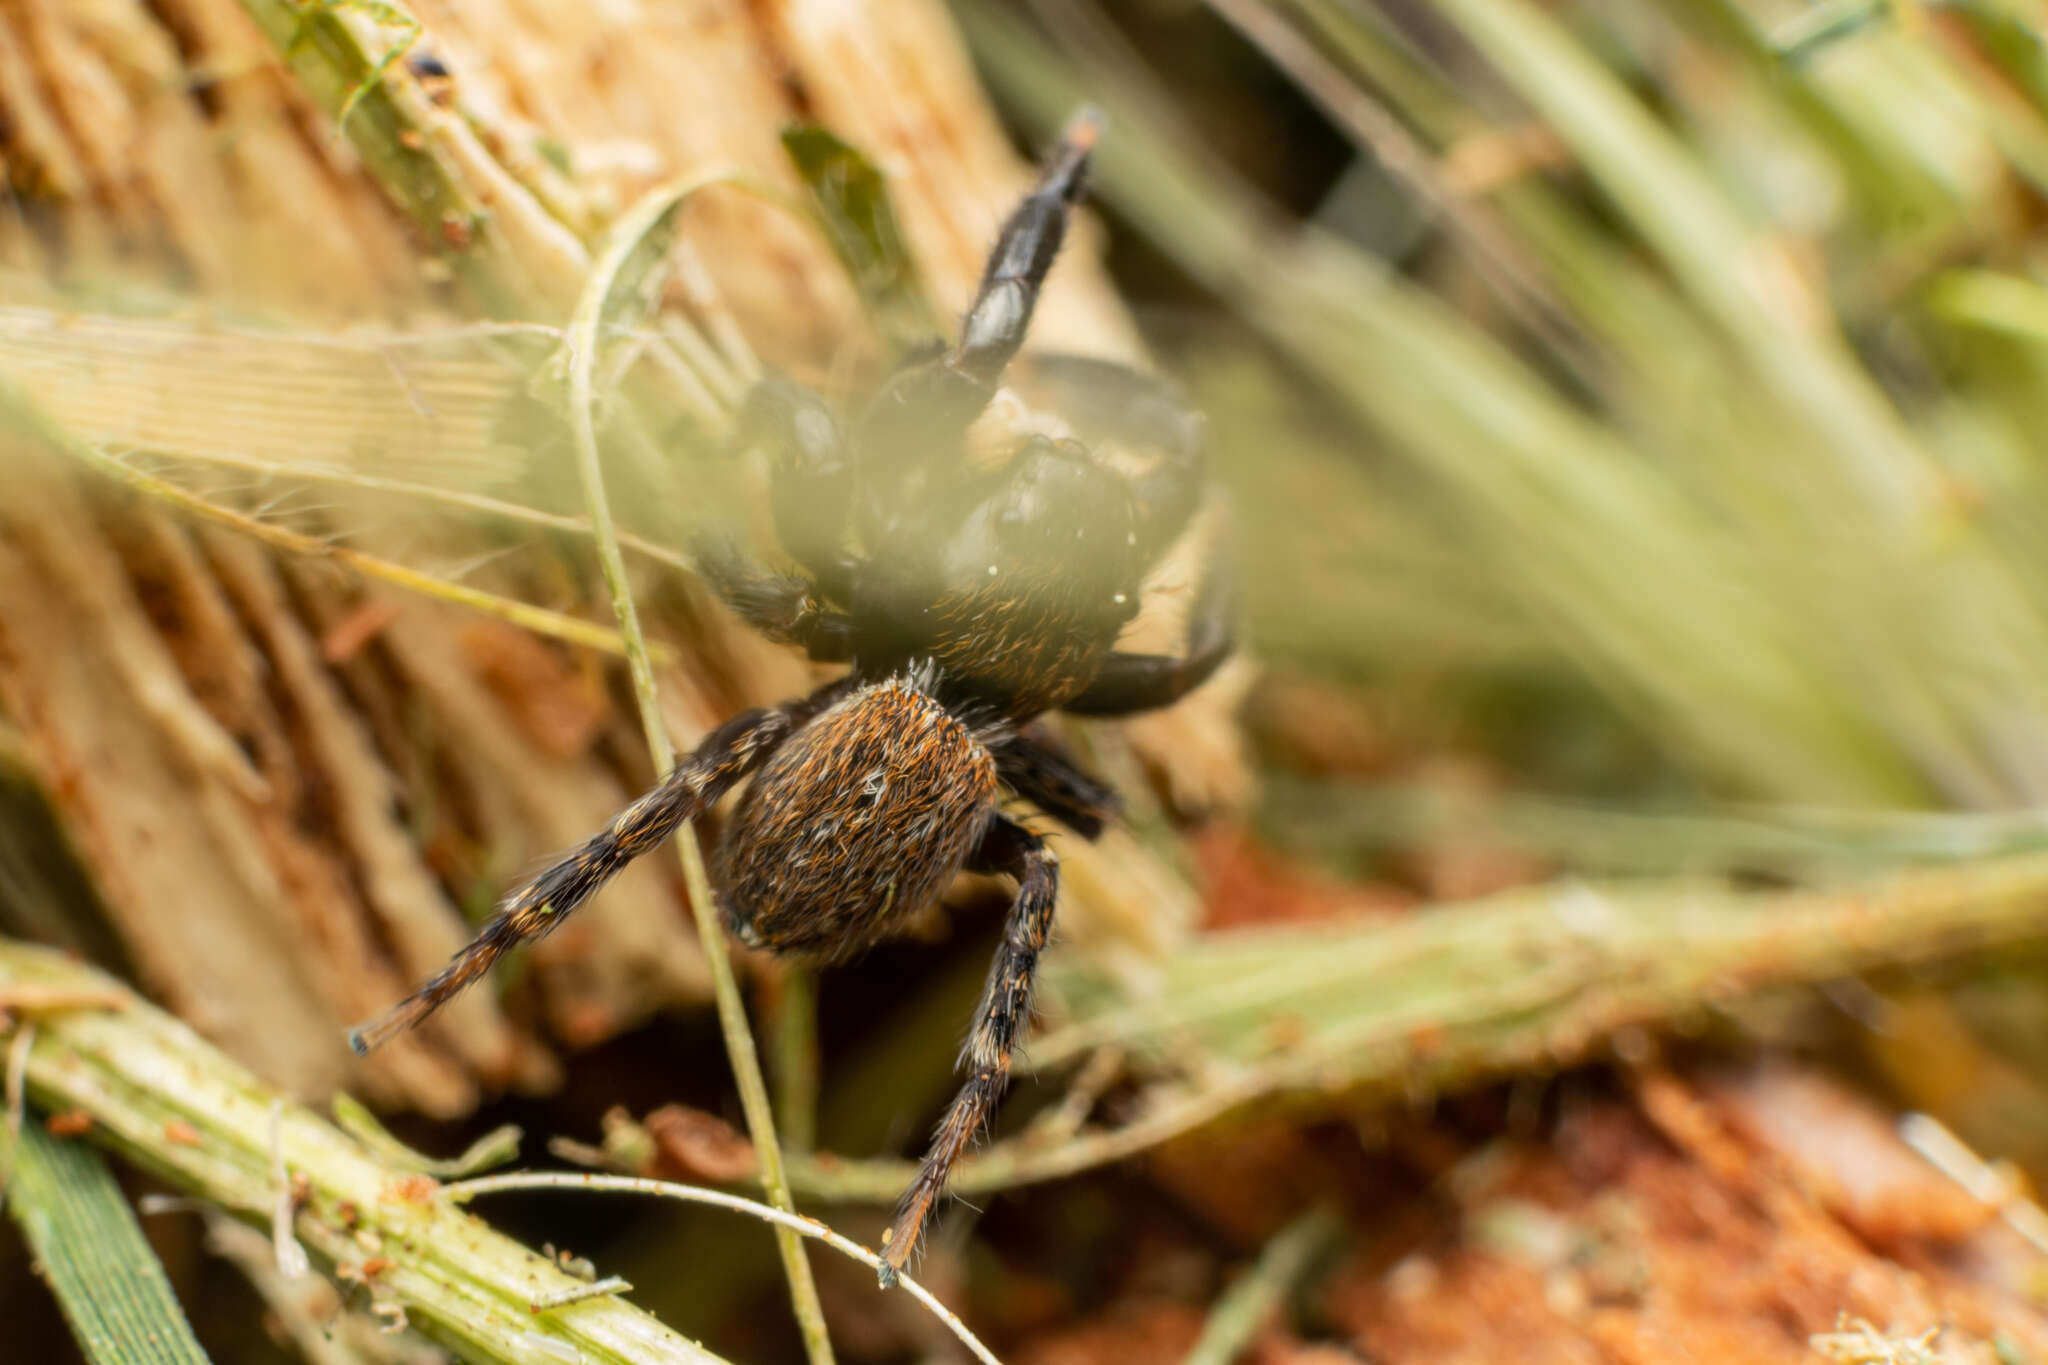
x=1634 y=410
x=1680 y=357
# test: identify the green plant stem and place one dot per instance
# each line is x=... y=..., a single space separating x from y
x=168 y=1100
x=645 y=224
x=1371 y=1010
x=109 y=1283
x=401 y=145
x=796 y=1055
x=1246 y=1306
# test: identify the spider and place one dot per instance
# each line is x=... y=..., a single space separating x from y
x=979 y=600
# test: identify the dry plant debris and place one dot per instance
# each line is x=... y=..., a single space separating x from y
x=1703 y=1221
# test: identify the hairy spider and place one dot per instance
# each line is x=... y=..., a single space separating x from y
x=978 y=600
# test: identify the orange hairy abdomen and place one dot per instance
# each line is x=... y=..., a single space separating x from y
x=859 y=820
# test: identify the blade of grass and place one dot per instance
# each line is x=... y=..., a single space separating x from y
x=624 y=267
x=1351 y=824
x=1738 y=276
x=1992 y=301
x=1822 y=25
x=1245 y=1308
x=109 y=1283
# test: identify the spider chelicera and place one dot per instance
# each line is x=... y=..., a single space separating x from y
x=978 y=600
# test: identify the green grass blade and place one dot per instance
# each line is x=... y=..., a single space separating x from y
x=92 y=1254
x=1248 y=1305
x=854 y=209
x=1735 y=273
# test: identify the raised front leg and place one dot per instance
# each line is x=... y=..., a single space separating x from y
x=728 y=754
x=998 y=1020
x=912 y=431
x=1146 y=682
x=1017 y=268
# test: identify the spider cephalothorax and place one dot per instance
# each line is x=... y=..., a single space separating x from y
x=968 y=598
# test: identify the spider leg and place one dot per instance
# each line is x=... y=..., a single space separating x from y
x=1024 y=253
x=999 y=1018
x=1041 y=772
x=781 y=606
x=1108 y=400
x=728 y=754
x=1146 y=682
x=911 y=432
x=813 y=470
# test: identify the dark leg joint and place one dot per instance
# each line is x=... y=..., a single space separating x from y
x=780 y=606
x=1044 y=775
x=1108 y=401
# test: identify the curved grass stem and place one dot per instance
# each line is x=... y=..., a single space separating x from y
x=649 y=225
x=794 y=1224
